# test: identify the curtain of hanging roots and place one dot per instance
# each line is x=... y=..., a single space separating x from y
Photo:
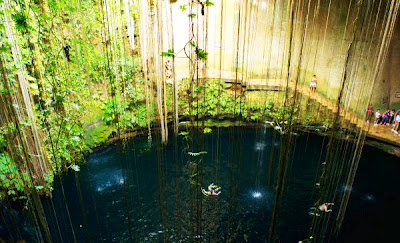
x=274 y=44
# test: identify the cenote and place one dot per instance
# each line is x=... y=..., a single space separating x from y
x=199 y=121
x=141 y=191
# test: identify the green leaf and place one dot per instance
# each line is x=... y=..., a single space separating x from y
x=183 y=133
x=201 y=54
x=182 y=7
x=207 y=130
x=170 y=53
x=192 y=15
x=71 y=9
x=34 y=7
x=208 y=3
x=39 y=187
x=75 y=167
x=21 y=21
x=11 y=192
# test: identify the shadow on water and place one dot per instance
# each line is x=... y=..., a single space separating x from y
x=158 y=189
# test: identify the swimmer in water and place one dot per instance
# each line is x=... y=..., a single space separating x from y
x=213 y=190
x=324 y=207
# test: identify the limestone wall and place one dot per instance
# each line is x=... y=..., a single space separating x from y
x=259 y=46
x=389 y=84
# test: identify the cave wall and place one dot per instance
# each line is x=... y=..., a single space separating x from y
x=389 y=84
x=259 y=45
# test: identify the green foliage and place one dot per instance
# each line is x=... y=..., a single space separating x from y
x=134 y=95
x=112 y=109
x=269 y=104
x=212 y=99
x=3 y=142
x=4 y=91
x=280 y=114
x=183 y=133
x=170 y=53
x=97 y=134
x=201 y=54
x=21 y=21
x=70 y=97
x=38 y=188
x=192 y=15
x=208 y=3
x=49 y=179
x=124 y=114
x=75 y=167
x=183 y=7
x=139 y=116
x=207 y=130
x=11 y=179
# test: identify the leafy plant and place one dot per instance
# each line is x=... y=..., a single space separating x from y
x=183 y=133
x=49 y=179
x=170 y=53
x=10 y=177
x=75 y=167
x=207 y=130
x=201 y=54
x=21 y=21
x=183 y=7
x=208 y=3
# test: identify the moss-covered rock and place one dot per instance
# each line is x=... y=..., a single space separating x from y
x=97 y=134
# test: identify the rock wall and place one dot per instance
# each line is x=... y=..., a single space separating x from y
x=389 y=84
x=271 y=40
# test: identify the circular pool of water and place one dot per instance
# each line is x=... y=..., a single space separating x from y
x=143 y=192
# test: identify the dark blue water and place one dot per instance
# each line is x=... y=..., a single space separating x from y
x=141 y=193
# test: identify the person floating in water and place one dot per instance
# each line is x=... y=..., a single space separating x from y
x=324 y=207
x=213 y=190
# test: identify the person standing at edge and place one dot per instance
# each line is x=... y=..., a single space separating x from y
x=313 y=83
x=368 y=113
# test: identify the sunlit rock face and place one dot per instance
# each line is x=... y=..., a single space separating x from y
x=338 y=41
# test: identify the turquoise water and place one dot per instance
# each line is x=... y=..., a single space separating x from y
x=141 y=192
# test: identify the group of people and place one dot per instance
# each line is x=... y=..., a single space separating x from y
x=386 y=118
